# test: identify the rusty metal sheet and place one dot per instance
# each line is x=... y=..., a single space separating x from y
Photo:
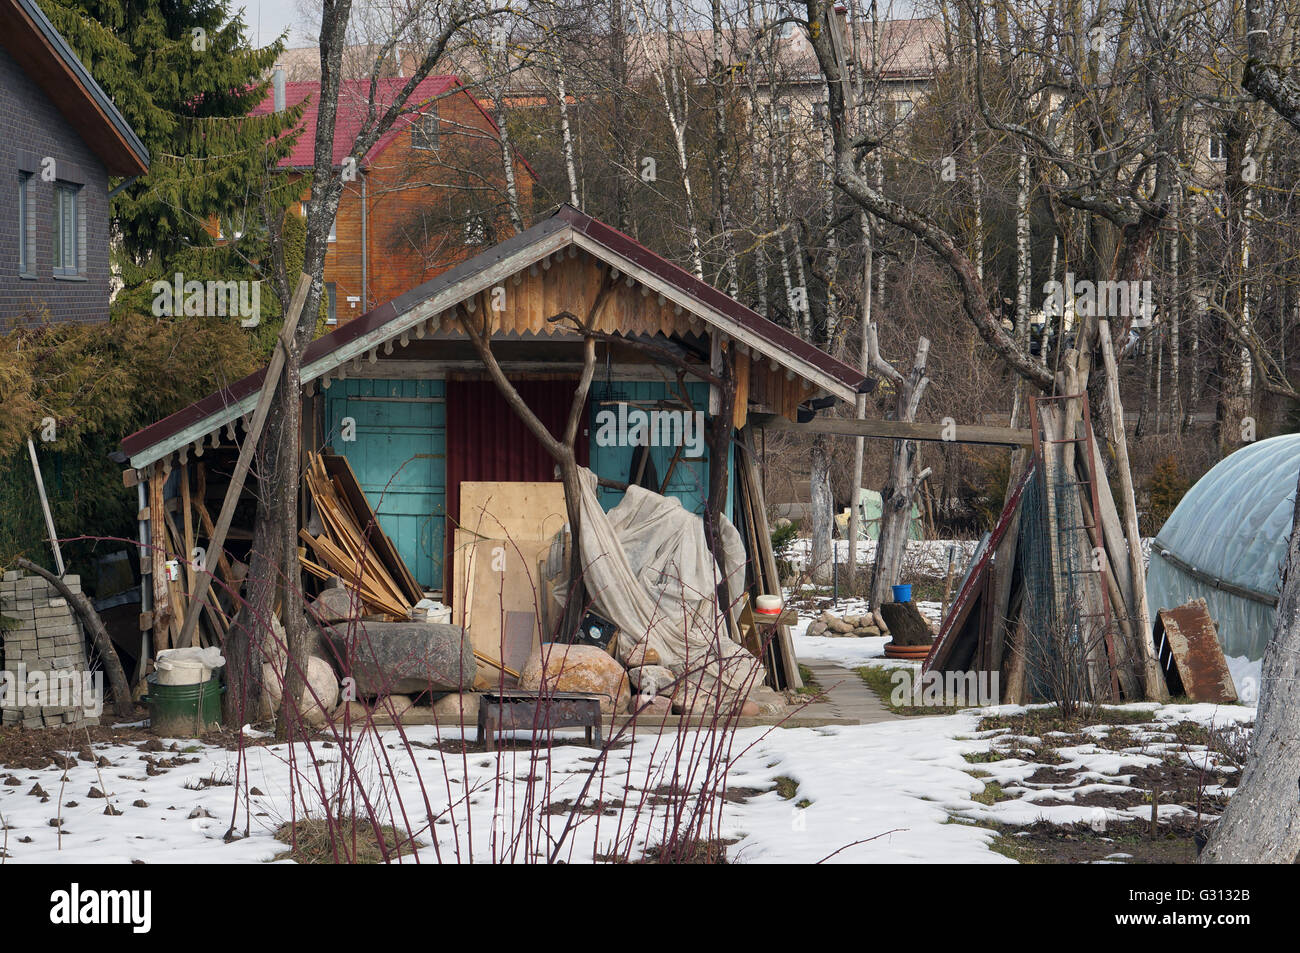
x=1188 y=643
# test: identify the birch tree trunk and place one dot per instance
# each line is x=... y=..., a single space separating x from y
x=507 y=159
x=566 y=135
x=821 y=504
x=722 y=163
x=904 y=482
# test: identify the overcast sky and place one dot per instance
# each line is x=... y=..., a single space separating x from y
x=266 y=18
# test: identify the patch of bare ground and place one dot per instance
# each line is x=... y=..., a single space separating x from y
x=565 y=807
x=1045 y=843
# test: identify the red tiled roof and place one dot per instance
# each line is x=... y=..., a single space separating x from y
x=354 y=99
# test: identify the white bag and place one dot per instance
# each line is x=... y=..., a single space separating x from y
x=187 y=666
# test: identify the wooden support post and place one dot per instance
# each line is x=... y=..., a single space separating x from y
x=45 y=508
x=1152 y=675
x=162 y=608
x=187 y=525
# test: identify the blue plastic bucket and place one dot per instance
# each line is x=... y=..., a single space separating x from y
x=903 y=593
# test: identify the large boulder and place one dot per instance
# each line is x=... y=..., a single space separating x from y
x=322 y=688
x=577 y=668
x=650 y=679
x=457 y=706
x=404 y=658
x=335 y=604
x=393 y=706
x=692 y=697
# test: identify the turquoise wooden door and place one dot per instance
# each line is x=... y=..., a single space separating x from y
x=689 y=479
x=399 y=456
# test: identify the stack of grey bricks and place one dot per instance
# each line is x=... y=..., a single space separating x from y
x=42 y=634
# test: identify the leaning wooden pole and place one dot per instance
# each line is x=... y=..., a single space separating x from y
x=45 y=507
x=1152 y=675
x=217 y=543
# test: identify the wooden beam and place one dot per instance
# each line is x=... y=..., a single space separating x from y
x=162 y=609
x=1153 y=675
x=899 y=430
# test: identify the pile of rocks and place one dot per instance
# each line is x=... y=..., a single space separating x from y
x=850 y=626
x=649 y=687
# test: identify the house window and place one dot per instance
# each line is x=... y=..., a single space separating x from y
x=26 y=226
x=902 y=109
x=331 y=303
x=1218 y=148
x=424 y=130
x=67 y=230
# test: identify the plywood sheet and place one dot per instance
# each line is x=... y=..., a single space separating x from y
x=512 y=510
x=503 y=587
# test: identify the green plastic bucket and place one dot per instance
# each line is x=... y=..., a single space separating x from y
x=184 y=711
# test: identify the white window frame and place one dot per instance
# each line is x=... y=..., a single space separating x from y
x=26 y=229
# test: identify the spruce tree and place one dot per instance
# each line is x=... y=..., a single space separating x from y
x=185 y=75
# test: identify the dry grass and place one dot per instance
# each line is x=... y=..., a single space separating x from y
x=311 y=842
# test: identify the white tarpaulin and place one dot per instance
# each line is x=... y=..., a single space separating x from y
x=647 y=568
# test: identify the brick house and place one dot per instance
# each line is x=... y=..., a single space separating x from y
x=428 y=194
x=63 y=140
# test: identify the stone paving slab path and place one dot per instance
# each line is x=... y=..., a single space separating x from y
x=847 y=694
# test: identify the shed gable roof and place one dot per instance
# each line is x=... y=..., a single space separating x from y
x=414 y=312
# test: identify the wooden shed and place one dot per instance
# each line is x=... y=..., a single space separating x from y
x=403 y=396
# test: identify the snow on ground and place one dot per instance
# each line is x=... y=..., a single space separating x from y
x=894 y=786
x=928 y=557
x=1245 y=676
x=885 y=792
x=862 y=781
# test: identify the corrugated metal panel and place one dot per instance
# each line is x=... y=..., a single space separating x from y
x=486 y=440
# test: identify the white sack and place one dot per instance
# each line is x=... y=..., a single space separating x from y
x=187 y=666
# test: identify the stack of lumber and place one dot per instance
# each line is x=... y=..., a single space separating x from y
x=1057 y=575
x=351 y=545
x=178 y=541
